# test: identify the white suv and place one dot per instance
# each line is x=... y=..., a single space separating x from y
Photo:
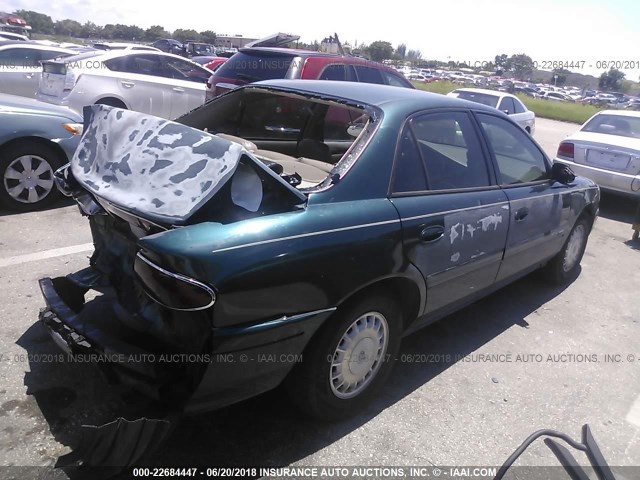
x=151 y=82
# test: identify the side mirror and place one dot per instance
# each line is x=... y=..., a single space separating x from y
x=562 y=173
x=506 y=111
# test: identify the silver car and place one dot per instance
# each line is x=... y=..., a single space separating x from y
x=20 y=65
x=606 y=149
x=151 y=82
x=35 y=140
x=509 y=104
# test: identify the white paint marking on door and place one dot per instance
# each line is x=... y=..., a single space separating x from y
x=45 y=254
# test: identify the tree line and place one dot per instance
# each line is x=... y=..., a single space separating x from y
x=44 y=24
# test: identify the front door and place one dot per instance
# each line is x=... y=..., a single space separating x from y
x=540 y=210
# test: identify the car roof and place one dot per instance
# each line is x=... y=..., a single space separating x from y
x=288 y=51
x=384 y=97
x=622 y=113
x=109 y=54
x=29 y=44
x=485 y=91
x=304 y=53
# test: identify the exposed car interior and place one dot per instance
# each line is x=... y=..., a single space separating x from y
x=299 y=138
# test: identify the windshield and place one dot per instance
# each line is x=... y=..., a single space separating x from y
x=251 y=67
x=483 y=98
x=620 y=125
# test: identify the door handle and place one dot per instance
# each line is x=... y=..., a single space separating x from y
x=127 y=84
x=432 y=234
x=178 y=89
x=521 y=214
x=28 y=75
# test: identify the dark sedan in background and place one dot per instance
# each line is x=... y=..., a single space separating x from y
x=294 y=231
x=35 y=139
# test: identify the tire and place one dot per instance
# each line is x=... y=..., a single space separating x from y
x=26 y=176
x=112 y=102
x=310 y=385
x=565 y=265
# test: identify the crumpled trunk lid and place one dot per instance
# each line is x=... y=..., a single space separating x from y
x=162 y=170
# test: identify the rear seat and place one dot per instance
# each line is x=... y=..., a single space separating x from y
x=311 y=171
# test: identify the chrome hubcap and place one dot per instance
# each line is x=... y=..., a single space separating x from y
x=359 y=355
x=28 y=179
x=574 y=246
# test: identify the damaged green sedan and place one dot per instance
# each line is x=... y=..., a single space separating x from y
x=295 y=231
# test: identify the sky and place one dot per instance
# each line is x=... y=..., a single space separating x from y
x=585 y=32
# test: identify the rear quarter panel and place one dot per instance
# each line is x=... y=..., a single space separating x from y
x=289 y=263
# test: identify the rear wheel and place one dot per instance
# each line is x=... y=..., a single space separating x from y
x=26 y=174
x=566 y=263
x=348 y=360
x=112 y=102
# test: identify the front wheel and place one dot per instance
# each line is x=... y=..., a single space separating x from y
x=564 y=266
x=348 y=360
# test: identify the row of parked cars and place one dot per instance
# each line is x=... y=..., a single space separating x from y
x=162 y=84
x=134 y=77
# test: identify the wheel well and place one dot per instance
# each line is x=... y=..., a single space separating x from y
x=111 y=101
x=41 y=141
x=403 y=290
x=588 y=212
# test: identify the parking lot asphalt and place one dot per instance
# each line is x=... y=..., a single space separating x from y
x=465 y=391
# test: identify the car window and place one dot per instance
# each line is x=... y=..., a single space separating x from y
x=519 y=159
x=273 y=117
x=368 y=74
x=451 y=151
x=519 y=107
x=183 y=70
x=625 y=126
x=483 y=98
x=253 y=66
x=506 y=105
x=394 y=80
x=334 y=72
x=409 y=173
x=141 y=64
x=19 y=58
x=341 y=124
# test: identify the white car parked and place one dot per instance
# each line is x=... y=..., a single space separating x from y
x=606 y=149
x=157 y=83
x=557 y=97
x=509 y=104
x=20 y=66
x=123 y=46
x=16 y=37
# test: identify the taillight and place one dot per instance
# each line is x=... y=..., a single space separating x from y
x=172 y=290
x=565 y=150
x=69 y=81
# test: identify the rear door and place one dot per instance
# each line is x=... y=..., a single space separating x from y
x=188 y=88
x=138 y=79
x=20 y=70
x=540 y=214
x=454 y=218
